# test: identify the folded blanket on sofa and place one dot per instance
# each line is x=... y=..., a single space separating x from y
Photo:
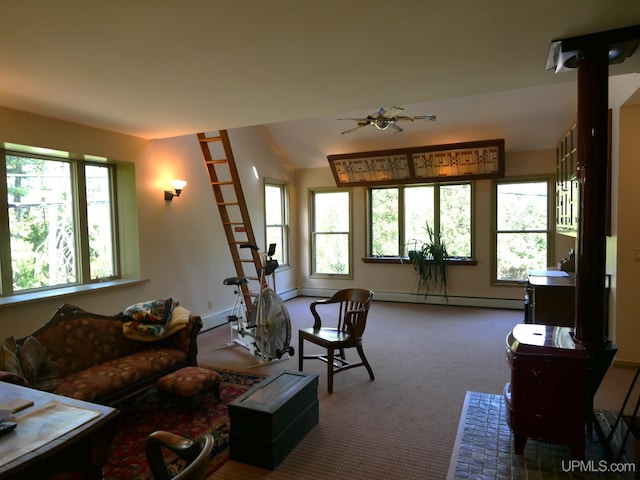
x=148 y=331
x=150 y=317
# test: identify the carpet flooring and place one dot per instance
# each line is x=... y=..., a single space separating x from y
x=127 y=459
x=402 y=425
x=484 y=450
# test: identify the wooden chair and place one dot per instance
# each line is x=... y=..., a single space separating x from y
x=352 y=306
x=196 y=452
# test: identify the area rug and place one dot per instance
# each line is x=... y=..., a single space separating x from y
x=484 y=450
x=127 y=459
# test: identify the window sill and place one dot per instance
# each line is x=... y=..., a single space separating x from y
x=466 y=261
x=14 y=300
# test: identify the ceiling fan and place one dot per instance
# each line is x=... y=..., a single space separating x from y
x=384 y=119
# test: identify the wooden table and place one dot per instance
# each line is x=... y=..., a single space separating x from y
x=55 y=434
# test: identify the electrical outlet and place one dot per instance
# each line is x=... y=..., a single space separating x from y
x=210 y=304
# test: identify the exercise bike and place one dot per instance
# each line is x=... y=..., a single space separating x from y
x=267 y=333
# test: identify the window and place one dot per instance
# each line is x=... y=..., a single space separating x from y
x=522 y=226
x=398 y=218
x=61 y=221
x=331 y=232
x=276 y=203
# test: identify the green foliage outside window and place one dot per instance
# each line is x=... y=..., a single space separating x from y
x=43 y=211
x=331 y=232
x=522 y=230
x=399 y=216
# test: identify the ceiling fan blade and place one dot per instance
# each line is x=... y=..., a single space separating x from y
x=404 y=117
x=355 y=128
x=354 y=119
x=396 y=128
x=393 y=111
x=426 y=118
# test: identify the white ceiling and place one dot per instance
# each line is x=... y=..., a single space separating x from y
x=162 y=68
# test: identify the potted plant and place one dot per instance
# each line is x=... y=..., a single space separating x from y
x=429 y=263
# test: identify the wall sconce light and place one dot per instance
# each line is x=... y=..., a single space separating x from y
x=178 y=186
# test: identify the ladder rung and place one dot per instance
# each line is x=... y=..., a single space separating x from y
x=211 y=139
x=228 y=203
x=233 y=223
x=222 y=183
x=217 y=161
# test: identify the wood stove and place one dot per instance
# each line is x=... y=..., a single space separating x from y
x=546 y=396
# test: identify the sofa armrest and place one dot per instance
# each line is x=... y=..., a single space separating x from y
x=187 y=339
x=14 y=378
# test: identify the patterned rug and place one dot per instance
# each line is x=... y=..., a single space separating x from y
x=484 y=450
x=127 y=459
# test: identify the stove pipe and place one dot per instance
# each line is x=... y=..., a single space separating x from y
x=593 y=97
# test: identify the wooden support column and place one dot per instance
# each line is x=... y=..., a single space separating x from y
x=593 y=93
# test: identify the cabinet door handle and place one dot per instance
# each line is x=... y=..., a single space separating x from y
x=538 y=375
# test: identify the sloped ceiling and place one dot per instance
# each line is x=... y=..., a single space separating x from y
x=162 y=68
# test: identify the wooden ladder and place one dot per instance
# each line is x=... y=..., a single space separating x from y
x=232 y=206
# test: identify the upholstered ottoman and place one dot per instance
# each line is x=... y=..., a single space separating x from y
x=189 y=382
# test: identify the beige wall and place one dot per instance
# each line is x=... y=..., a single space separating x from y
x=182 y=247
x=626 y=305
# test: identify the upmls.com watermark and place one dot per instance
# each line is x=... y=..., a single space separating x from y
x=597 y=466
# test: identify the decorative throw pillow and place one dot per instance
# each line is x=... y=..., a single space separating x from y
x=32 y=357
x=10 y=356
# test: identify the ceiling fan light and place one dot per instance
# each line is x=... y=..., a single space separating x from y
x=382 y=123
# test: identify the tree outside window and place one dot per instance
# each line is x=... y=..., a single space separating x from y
x=522 y=228
x=331 y=232
x=276 y=220
x=399 y=217
x=60 y=223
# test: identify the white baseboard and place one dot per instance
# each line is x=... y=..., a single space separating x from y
x=460 y=301
x=213 y=321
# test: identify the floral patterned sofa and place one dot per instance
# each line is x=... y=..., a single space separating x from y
x=100 y=358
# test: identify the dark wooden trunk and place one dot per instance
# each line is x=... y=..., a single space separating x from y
x=269 y=420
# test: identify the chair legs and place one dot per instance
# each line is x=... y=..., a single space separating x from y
x=336 y=361
x=300 y=352
x=330 y=368
x=365 y=361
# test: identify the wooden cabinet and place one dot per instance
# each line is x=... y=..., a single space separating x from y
x=551 y=298
x=567 y=190
x=567 y=181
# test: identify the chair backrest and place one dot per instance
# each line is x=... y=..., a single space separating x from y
x=196 y=452
x=353 y=309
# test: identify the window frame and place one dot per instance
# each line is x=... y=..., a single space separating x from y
x=77 y=164
x=285 y=250
x=550 y=180
x=312 y=232
x=371 y=258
